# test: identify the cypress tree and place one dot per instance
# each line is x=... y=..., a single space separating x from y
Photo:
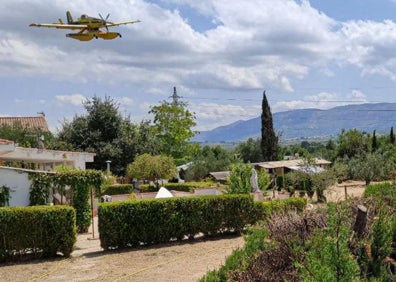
x=392 y=136
x=374 y=144
x=269 y=141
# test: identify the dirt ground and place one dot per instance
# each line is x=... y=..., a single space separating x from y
x=170 y=262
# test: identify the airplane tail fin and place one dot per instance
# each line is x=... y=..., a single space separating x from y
x=69 y=17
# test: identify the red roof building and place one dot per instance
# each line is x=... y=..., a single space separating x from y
x=33 y=123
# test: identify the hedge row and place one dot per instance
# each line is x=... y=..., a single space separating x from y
x=265 y=209
x=118 y=189
x=36 y=232
x=183 y=187
x=132 y=223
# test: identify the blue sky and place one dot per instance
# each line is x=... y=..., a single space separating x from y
x=221 y=55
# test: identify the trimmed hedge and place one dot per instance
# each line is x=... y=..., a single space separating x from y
x=36 y=232
x=117 y=189
x=132 y=223
x=183 y=187
x=265 y=209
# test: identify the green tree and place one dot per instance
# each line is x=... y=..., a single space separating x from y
x=374 y=144
x=371 y=166
x=249 y=151
x=105 y=132
x=173 y=124
x=148 y=167
x=392 y=136
x=207 y=159
x=321 y=181
x=269 y=141
x=239 y=179
x=351 y=143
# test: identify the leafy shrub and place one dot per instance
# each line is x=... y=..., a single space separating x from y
x=132 y=223
x=184 y=187
x=117 y=189
x=260 y=245
x=39 y=231
x=266 y=208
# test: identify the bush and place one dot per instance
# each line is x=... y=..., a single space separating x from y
x=37 y=232
x=266 y=208
x=117 y=189
x=184 y=187
x=132 y=223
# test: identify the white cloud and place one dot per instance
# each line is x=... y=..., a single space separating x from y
x=73 y=99
x=323 y=100
x=214 y=115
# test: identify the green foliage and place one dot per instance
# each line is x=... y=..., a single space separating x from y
x=321 y=181
x=269 y=141
x=340 y=170
x=256 y=240
x=239 y=179
x=371 y=166
x=40 y=188
x=104 y=131
x=80 y=182
x=379 y=245
x=117 y=189
x=185 y=186
x=148 y=167
x=207 y=159
x=264 y=179
x=249 y=151
x=36 y=232
x=382 y=190
x=131 y=223
x=328 y=257
x=266 y=208
x=4 y=196
x=173 y=124
x=352 y=143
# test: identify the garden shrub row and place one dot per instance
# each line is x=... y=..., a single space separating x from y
x=266 y=208
x=118 y=189
x=136 y=222
x=36 y=232
x=183 y=187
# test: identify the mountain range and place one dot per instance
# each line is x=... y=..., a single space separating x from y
x=309 y=123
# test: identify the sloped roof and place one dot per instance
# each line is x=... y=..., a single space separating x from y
x=38 y=122
x=289 y=163
x=220 y=175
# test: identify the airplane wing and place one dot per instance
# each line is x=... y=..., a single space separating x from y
x=60 y=26
x=108 y=24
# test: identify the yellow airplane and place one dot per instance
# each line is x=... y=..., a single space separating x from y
x=89 y=27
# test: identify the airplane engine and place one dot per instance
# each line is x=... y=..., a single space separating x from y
x=108 y=35
x=81 y=36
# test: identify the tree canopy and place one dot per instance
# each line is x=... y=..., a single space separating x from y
x=173 y=124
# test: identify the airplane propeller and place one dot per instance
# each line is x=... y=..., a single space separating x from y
x=105 y=20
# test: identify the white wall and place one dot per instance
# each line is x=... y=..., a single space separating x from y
x=17 y=180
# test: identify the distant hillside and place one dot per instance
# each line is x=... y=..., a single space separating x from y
x=308 y=123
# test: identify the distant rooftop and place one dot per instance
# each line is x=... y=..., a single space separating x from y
x=38 y=122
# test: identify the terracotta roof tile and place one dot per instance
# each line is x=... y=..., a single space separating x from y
x=38 y=122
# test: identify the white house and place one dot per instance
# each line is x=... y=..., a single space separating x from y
x=45 y=160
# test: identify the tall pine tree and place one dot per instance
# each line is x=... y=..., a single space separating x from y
x=269 y=141
x=392 y=136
